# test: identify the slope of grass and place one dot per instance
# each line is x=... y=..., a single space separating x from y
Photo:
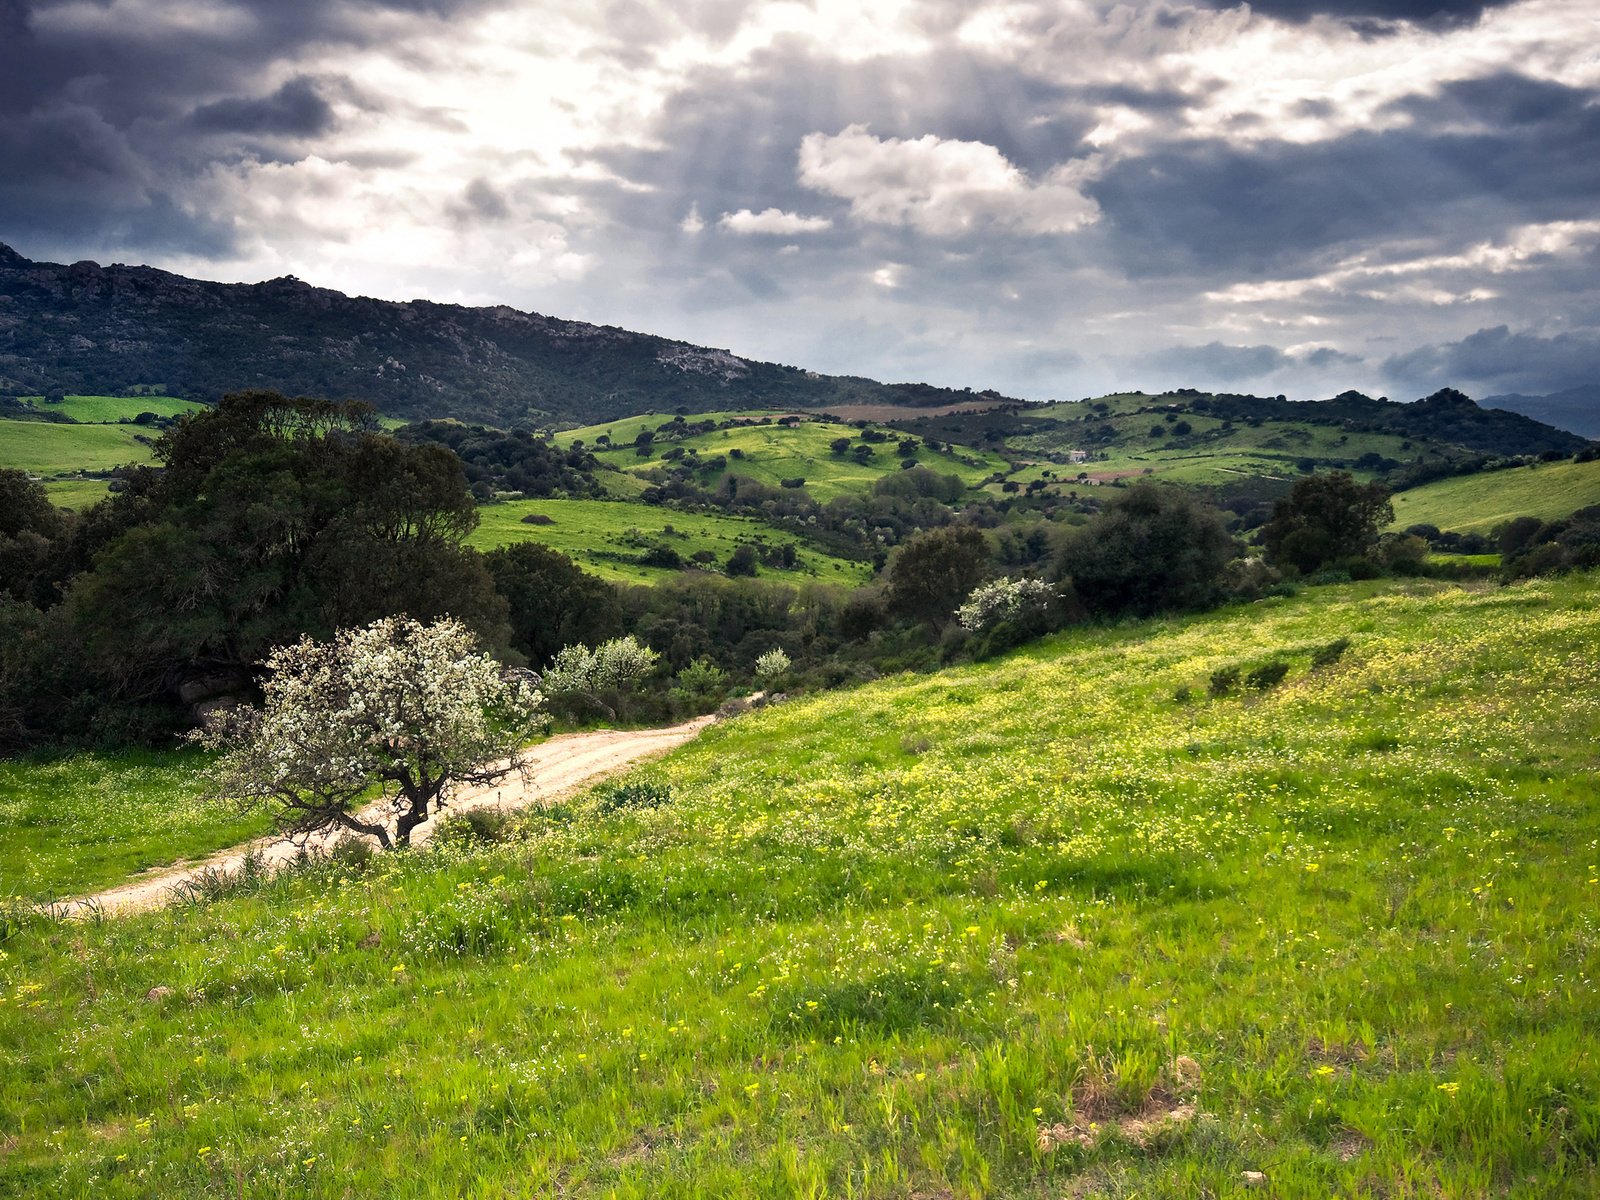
x=606 y=537
x=73 y=824
x=773 y=453
x=1212 y=453
x=1029 y=928
x=109 y=409
x=1478 y=503
x=80 y=495
x=45 y=449
x=623 y=431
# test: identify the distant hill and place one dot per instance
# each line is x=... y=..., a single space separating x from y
x=92 y=329
x=1576 y=409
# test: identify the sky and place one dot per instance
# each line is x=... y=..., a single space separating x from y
x=1051 y=198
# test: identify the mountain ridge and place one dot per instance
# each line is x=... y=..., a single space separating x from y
x=83 y=327
x=1576 y=409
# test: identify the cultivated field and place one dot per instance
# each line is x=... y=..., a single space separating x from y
x=1063 y=924
x=1478 y=503
x=607 y=537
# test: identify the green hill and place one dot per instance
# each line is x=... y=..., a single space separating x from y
x=1478 y=503
x=47 y=449
x=105 y=410
x=1028 y=928
x=772 y=453
x=84 y=328
x=609 y=539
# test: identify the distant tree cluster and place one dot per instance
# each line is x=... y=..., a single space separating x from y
x=520 y=461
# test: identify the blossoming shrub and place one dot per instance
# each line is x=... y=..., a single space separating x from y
x=1004 y=600
x=409 y=709
x=579 y=675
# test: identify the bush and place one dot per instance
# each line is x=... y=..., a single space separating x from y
x=1005 y=600
x=1326 y=656
x=476 y=827
x=771 y=667
x=1224 y=681
x=633 y=795
x=1268 y=675
x=1152 y=549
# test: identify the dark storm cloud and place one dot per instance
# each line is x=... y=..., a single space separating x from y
x=1327 y=356
x=1497 y=360
x=1276 y=206
x=103 y=126
x=1216 y=361
x=296 y=109
x=1425 y=12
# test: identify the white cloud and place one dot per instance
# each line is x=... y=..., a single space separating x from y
x=944 y=187
x=772 y=221
x=693 y=223
x=1524 y=249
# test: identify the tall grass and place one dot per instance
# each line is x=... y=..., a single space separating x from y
x=1028 y=928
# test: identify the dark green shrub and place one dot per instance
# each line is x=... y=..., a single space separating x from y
x=353 y=853
x=476 y=827
x=1326 y=656
x=1268 y=675
x=635 y=794
x=1183 y=695
x=1224 y=680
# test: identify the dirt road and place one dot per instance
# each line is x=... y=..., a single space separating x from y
x=560 y=765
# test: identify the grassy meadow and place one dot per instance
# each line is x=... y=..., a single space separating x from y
x=604 y=537
x=79 y=495
x=1061 y=924
x=773 y=453
x=1479 y=503
x=1214 y=452
x=69 y=825
x=102 y=410
x=45 y=449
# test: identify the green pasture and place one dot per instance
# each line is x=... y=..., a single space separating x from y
x=1213 y=453
x=773 y=453
x=624 y=430
x=91 y=410
x=1478 y=503
x=71 y=824
x=1061 y=924
x=45 y=449
x=80 y=495
x=606 y=536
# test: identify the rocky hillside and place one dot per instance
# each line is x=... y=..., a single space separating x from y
x=85 y=328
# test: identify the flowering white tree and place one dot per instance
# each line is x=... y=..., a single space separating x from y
x=771 y=666
x=1004 y=600
x=412 y=709
x=610 y=666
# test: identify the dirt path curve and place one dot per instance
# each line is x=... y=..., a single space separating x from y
x=555 y=767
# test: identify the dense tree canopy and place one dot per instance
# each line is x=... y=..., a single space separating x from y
x=553 y=602
x=268 y=519
x=1324 y=519
x=1152 y=549
x=935 y=571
